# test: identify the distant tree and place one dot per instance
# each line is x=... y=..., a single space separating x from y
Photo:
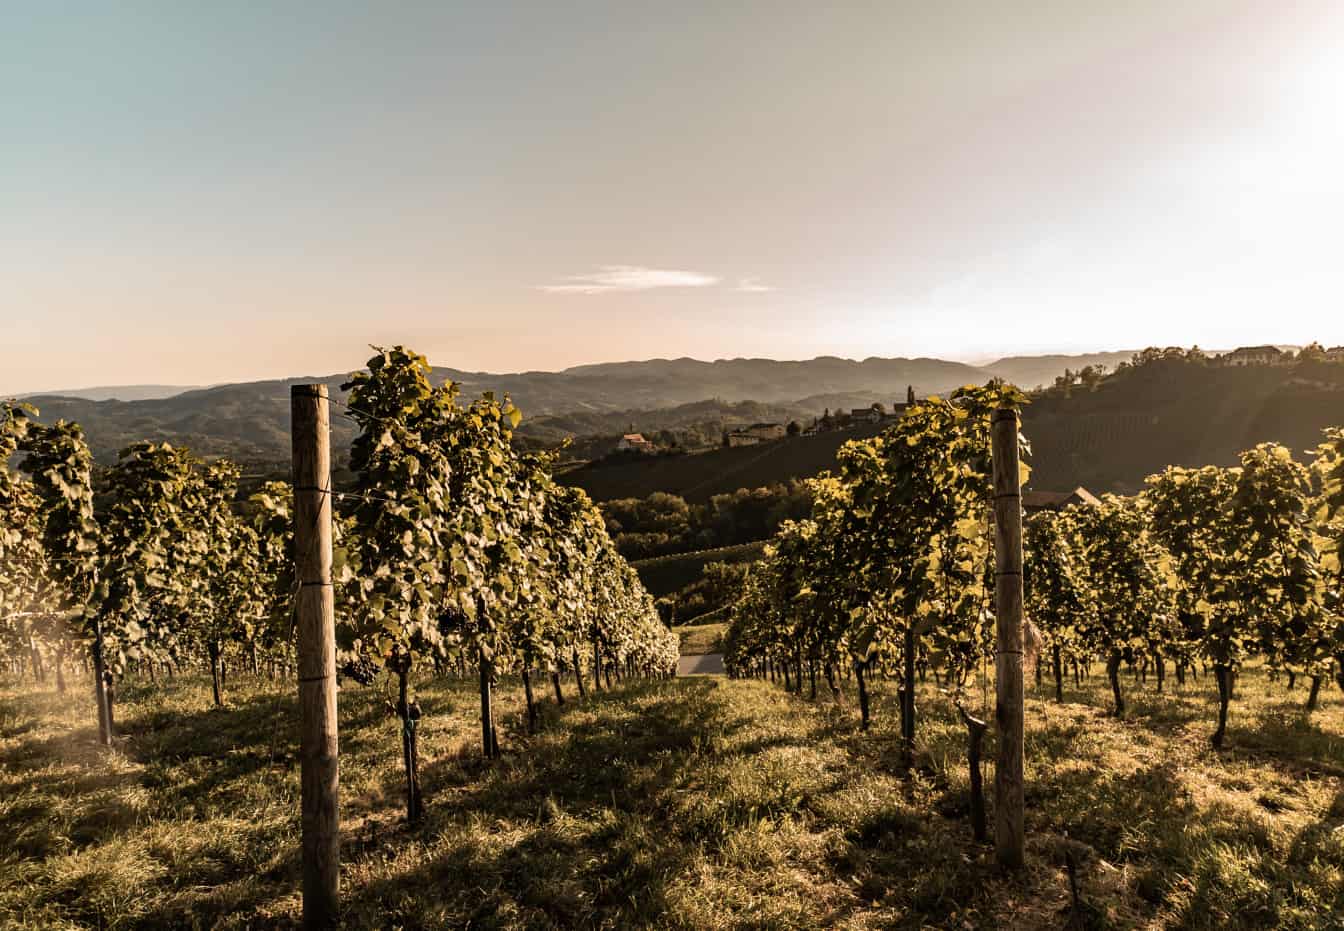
x=1153 y=355
x=652 y=526
x=794 y=428
x=1091 y=376
x=1312 y=352
x=723 y=581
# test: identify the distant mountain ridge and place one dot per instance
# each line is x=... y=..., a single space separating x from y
x=1040 y=371
x=659 y=383
x=116 y=392
x=250 y=420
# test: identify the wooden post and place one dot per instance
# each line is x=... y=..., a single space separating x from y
x=316 y=612
x=100 y=685
x=1008 y=796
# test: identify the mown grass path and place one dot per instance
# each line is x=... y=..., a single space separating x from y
x=705 y=664
x=695 y=803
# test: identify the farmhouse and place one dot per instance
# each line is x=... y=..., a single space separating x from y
x=1033 y=501
x=865 y=415
x=1254 y=355
x=756 y=433
x=634 y=441
x=766 y=431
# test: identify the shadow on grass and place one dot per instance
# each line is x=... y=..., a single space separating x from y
x=569 y=829
x=625 y=800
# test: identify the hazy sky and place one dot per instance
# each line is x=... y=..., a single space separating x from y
x=201 y=192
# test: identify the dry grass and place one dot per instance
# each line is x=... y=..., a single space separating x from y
x=693 y=804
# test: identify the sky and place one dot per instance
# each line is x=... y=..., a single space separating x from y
x=193 y=193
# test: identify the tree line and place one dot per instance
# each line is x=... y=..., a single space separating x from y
x=662 y=523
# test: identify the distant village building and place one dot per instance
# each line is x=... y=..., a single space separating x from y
x=874 y=414
x=823 y=424
x=765 y=431
x=756 y=433
x=900 y=408
x=1254 y=355
x=1334 y=354
x=1033 y=501
x=636 y=442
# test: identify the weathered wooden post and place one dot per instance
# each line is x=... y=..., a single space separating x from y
x=1008 y=800
x=100 y=685
x=316 y=613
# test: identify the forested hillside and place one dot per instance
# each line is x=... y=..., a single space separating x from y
x=244 y=422
x=1106 y=438
x=1176 y=413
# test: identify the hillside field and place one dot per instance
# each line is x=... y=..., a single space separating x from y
x=698 y=477
x=679 y=804
x=663 y=575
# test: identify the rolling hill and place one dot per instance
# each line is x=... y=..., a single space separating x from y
x=117 y=392
x=1040 y=371
x=250 y=420
x=1171 y=413
x=1109 y=439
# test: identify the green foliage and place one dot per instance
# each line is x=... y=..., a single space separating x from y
x=1124 y=576
x=451 y=542
x=1058 y=599
x=1245 y=546
x=895 y=561
x=662 y=524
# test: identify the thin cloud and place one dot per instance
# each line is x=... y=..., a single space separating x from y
x=752 y=286
x=613 y=278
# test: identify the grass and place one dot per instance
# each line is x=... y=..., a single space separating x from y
x=699 y=639
x=663 y=575
x=701 y=803
x=719 y=615
x=697 y=478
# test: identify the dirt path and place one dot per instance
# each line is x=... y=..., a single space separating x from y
x=710 y=664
